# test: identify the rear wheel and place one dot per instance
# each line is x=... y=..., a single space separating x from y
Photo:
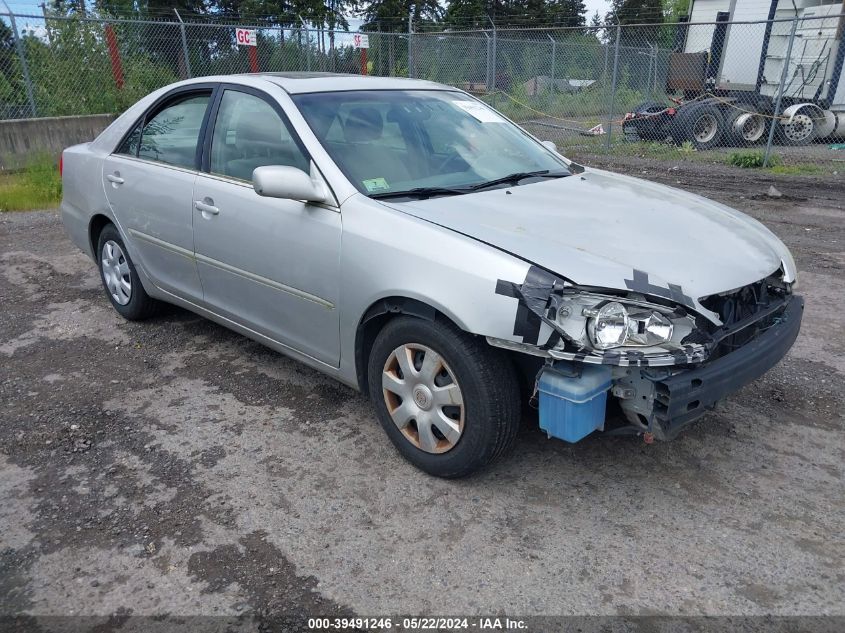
x=701 y=124
x=120 y=279
x=744 y=125
x=449 y=402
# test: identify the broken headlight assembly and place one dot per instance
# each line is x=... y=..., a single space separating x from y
x=597 y=328
x=604 y=322
x=614 y=325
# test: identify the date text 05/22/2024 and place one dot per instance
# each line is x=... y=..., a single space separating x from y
x=417 y=624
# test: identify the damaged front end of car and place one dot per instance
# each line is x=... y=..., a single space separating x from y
x=652 y=353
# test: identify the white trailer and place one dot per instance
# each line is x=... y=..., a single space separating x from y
x=739 y=48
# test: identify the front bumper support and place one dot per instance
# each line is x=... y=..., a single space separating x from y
x=685 y=396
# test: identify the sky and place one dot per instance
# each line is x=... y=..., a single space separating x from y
x=33 y=7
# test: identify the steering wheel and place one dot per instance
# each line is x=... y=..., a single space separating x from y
x=449 y=160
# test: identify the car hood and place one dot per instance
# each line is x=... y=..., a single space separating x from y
x=612 y=231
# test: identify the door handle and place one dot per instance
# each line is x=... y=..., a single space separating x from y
x=115 y=178
x=206 y=208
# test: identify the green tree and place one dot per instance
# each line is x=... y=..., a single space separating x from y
x=469 y=13
x=392 y=15
x=673 y=10
x=12 y=94
x=635 y=12
x=566 y=12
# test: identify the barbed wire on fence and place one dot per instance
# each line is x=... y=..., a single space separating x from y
x=704 y=84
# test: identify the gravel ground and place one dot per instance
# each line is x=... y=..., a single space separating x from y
x=172 y=468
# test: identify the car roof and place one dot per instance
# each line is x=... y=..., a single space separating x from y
x=295 y=83
x=302 y=82
x=290 y=82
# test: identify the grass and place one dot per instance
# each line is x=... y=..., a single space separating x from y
x=754 y=160
x=583 y=108
x=804 y=169
x=751 y=160
x=743 y=159
x=37 y=186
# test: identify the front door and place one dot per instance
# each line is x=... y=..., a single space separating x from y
x=267 y=263
x=149 y=183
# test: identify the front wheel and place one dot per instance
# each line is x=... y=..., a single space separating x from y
x=449 y=402
x=800 y=130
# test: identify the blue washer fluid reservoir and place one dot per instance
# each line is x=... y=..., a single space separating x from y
x=573 y=399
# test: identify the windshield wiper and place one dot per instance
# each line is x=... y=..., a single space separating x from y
x=421 y=192
x=516 y=177
x=427 y=192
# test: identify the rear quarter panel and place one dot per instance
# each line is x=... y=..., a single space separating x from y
x=82 y=187
x=82 y=193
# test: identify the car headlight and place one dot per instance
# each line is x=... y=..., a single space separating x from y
x=609 y=327
x=615 y=325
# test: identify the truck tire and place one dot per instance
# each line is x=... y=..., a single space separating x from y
x=702 y=124
x=745 y=126
x=448 y=401
x=800 y=131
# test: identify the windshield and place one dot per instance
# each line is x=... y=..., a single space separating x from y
x=392 y=141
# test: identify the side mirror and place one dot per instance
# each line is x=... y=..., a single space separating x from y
x=550 y=145
x=289 y=183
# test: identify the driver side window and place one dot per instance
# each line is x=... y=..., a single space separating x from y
x=248 y=133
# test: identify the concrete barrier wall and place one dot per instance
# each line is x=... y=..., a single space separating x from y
x=23 y=139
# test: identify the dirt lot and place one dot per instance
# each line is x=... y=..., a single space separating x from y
x=173 y=467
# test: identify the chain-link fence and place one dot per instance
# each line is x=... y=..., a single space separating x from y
x=690 y=86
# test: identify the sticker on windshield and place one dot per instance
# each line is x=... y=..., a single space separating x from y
x=374 y=185
x=479 y=111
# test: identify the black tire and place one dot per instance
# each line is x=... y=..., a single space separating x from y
x=487 y=382
x=140 y=305
x=689 y=117
x=649 y=106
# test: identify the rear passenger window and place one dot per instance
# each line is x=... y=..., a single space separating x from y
x=249 y=133
x=171 y=135
x=131 y=142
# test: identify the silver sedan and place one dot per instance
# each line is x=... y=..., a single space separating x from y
x=410 y=241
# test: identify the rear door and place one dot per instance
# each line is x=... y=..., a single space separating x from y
x=267 y=263
x=149 y=183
